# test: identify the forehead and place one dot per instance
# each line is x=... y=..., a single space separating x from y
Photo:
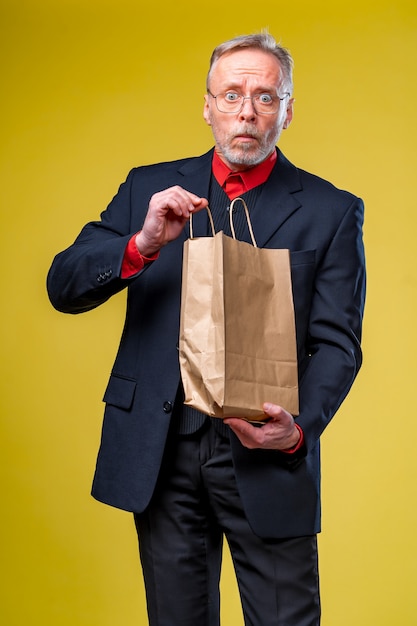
x=246 y=66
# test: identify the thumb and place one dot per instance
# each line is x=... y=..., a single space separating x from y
x=273 y=410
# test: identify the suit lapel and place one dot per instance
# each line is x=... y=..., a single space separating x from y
x=196 y=178
x=277 y=201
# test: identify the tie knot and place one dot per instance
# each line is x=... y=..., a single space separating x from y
x=234 y=185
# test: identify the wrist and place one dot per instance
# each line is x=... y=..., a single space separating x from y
x=297 y=440
x=145 y=248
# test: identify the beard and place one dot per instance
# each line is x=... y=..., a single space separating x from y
x=244 y=153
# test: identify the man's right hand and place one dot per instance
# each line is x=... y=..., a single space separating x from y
x=168 y=212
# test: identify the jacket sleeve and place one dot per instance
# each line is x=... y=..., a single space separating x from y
x=334 y=333
x=88 y=272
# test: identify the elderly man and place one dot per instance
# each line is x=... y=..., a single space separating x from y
x=189 y=479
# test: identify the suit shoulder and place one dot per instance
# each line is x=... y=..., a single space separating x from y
x=325 y=188
x=317 y=188
x=167 y=167
x=162 y=165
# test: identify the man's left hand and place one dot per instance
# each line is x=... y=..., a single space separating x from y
x=279 y=432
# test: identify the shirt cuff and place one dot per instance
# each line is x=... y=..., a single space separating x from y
x=133 y=261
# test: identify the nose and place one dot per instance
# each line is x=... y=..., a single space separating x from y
x=248 y=111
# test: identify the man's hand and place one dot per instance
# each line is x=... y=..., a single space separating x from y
x=168 y=212
x=279 y=433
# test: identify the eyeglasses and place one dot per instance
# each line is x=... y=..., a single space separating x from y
x=263 y=103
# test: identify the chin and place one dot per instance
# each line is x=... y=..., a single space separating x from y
x=246 y=159
x=246 y=155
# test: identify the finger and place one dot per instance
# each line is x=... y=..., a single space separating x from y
x=274 y=410
x=198 y=203
x=190 y=198
x=179 y=206
x=248 y=435
x=178 y=200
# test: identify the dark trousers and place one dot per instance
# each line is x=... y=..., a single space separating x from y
x=196 y=503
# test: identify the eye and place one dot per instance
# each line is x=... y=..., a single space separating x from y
x=265 y=98
x=231 y=96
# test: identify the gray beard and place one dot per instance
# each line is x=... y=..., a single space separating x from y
x=244 y=156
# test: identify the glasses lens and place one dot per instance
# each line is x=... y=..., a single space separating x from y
x=232 y=103
x=229 y=102
x=266 y=103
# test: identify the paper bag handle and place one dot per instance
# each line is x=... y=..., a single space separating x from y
x=232 y=228
x=211 y=223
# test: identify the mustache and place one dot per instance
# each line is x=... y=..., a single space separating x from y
x=248 y=130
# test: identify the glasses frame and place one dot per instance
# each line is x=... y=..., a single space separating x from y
x=251 y=98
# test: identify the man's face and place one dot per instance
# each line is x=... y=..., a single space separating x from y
x=246 y=138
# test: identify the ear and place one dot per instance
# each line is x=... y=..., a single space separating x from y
x=206 y=110
x=289 y=113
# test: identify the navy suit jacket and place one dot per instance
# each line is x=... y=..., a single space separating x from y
x=322 y=227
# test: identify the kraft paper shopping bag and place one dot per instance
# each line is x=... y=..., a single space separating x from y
x=237 y=329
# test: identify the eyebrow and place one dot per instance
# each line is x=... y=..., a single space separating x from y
x=236 y=87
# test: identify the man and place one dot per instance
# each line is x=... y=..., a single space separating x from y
x=188 y=478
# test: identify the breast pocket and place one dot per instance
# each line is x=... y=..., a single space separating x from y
x=120 y=392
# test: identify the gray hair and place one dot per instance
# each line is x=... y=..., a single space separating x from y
x=258 y=41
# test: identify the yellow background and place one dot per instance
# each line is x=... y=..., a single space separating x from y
x=91 y=88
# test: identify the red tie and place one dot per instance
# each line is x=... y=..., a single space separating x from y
x=234 y=186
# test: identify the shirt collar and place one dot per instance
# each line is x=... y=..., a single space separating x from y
x=251 y=177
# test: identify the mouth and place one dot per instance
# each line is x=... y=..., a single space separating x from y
x=245 y=138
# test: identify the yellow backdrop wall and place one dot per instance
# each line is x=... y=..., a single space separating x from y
x=92 y=88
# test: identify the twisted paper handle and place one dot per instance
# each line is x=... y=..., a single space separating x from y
x=211 y=223
x=232 y=228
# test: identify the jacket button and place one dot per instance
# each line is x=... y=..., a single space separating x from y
x=167 y=406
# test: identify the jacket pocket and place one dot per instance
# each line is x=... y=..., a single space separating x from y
x=302 y=257
x=120 y=392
